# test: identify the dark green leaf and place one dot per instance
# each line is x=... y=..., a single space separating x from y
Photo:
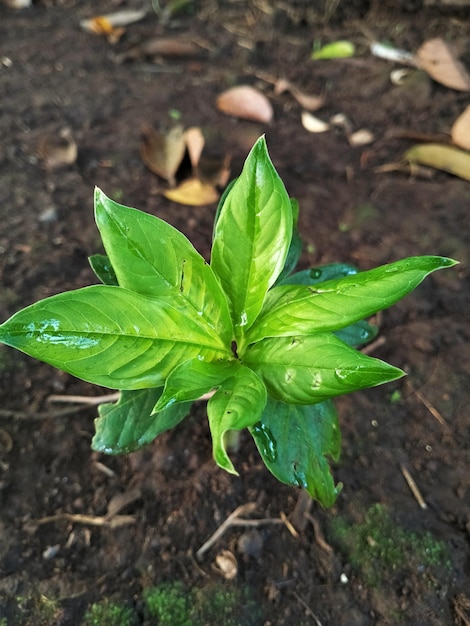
x=128 y=424
x=295 y=248
x=103 y=269
x=238 y=404
x=252 y=237
x=357 y=334
x=292 y=310
x=311 y=369
x=111 y=336
x=295 y=442
x=152 y=258
x=315 y=275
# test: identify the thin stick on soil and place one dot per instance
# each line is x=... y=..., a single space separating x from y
x=308 y=610
x=434 y=412
x=318 y=533
x=413 y=487
x=234 y=520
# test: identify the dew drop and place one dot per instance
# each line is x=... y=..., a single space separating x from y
x=265 y=441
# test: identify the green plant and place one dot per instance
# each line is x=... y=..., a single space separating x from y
x=172 y=604
x=106 y=613
x=169 y=603
x=166 y=328
x=379 y=549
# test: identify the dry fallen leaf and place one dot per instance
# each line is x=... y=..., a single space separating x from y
x=162 y=152
x=361 y=137
x=227 y=564
x=245 y=102
x=57 y=151
x=314 y=124
x=161 y=47
x=309 y=102
x=193 y=192
x=461 y=130
x=194 y=140
x=437 y=58
x=441 y=157
x=113 y=20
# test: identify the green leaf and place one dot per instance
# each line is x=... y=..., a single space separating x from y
x=128 y=424
x=252 y=237
x=103 y=269
x=357 y=334
x=111 y=336
x=311 y=369
x=320 y=274
x=292 y=310
x=238 y=404
x=295 y=248
x=152 y=258
x=335 y=50
x=194 y=378
x=295 y=442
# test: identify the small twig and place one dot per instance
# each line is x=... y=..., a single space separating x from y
x=288 y=525
x=94 y=400
x=413 y=487
x=234 y=519
x=307 y=608
x=91 y=400
x=90 y=520
x=434 y=412
x=318 y=533
x=380 y=341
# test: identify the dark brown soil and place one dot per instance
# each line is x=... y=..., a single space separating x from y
x=53 y=76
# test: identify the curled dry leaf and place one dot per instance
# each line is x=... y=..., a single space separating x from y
x=59 y=150
x=193 y=192
x=101 y=26
x=194 y=140
x=361 y=137
x=314 y=124
x=246 y=103
x=309 y=102
x=162 y=152
x=389 y=53
x=438 y=59
x=227 y=564
x=161 y=47
x=113 y=20
x=441 y=157
x=461 y=130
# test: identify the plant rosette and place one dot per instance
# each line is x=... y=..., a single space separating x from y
x=166 y=327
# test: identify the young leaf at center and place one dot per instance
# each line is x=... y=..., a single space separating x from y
x=252 y=237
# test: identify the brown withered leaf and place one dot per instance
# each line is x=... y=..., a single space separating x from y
x=437 y=58
x=176 y=47
x=247 y=103
x=195 y=141
x=163 y=152
x=309 y=102
x=193 y=192
x=461 y=130
x=58 y=151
